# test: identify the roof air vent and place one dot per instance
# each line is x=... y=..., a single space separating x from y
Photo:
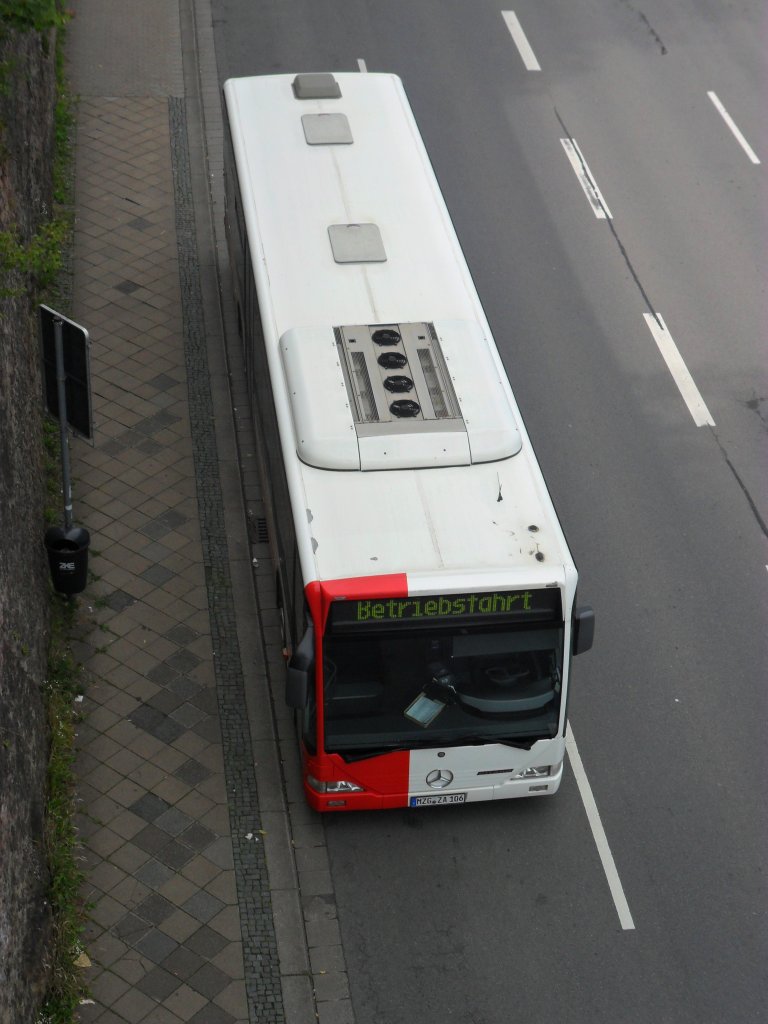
x=405 y=407
x=398 y=384
x=386 y=336
x=392 y=360
x=316 y=87
x=380 y=361
x=360 y=405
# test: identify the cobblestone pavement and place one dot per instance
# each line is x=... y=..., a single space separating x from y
x=210 y=905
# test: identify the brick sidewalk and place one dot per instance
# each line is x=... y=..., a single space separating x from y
x=165 y=930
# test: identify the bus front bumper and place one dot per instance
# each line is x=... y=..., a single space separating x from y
x=368 y=799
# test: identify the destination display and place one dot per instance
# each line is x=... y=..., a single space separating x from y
x=490 y=606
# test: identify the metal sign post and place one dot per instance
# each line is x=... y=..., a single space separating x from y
x=61 y=381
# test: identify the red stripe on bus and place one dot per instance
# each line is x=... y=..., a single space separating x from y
x=320 y=593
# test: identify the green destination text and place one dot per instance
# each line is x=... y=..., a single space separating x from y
x=444 y=607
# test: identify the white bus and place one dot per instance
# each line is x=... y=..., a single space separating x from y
x=426 y=588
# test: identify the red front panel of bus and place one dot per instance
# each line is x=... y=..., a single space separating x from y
x=384 y=778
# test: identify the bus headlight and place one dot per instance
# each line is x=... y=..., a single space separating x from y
x=536 y=773
x=336 y=786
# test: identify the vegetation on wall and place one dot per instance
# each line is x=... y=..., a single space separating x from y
x=32 y=15
x=33 y=248
x=63 y=685
x=39 y=260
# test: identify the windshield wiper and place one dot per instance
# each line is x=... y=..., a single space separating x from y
x=475 y=739
x=363 y=754
x=471 y=739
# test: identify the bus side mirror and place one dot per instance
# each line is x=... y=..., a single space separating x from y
x=583 y=629
x=300 y=671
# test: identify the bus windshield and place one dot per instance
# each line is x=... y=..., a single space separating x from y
x=412 y=688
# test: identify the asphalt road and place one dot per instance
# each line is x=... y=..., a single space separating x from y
x=497 y=914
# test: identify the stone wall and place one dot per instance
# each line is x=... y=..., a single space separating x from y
x=27 y=86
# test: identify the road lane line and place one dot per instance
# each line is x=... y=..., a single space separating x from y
x=361 y=65
x=598 y=833
x=732 y=125
x=587 y=182
x=521 y=42
x=691 y=394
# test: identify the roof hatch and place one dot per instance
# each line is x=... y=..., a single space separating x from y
x=326 y=129
x=314 y=86
x=356 y=243
x=397 y=396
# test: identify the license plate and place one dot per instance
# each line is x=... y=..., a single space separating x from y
x=438 y=798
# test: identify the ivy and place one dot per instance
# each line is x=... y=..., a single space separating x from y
x=32 y=15
x=40 y=258
x=65 y=682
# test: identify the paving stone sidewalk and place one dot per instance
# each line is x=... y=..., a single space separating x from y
x=165 y=934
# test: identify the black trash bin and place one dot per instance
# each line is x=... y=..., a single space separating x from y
x=68 y=558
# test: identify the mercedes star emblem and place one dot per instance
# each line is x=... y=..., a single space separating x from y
x=439 y=778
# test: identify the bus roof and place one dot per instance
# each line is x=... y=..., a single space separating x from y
x=352 y=248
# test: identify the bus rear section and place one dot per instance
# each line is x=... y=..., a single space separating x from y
x=422 y=700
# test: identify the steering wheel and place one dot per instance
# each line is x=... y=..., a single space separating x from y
x=500 y=675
